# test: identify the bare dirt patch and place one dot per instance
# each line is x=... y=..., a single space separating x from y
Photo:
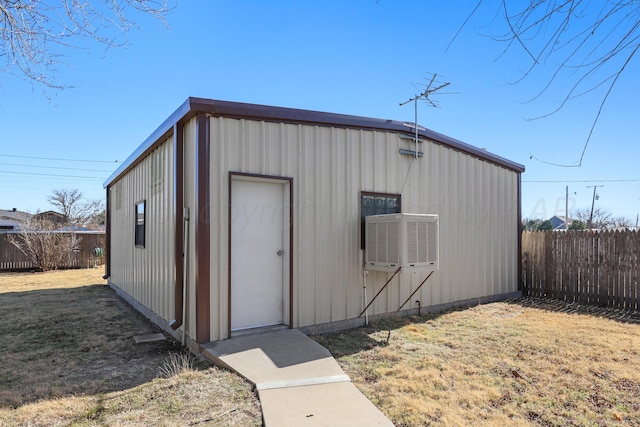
x=69 y=357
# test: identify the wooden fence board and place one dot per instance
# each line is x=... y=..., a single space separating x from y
x=597 y=268
x=11 y=259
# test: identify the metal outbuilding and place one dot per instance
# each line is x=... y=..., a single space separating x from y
x=235 y=216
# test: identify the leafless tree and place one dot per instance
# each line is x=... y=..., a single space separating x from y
x=623 y=222
x=35 y=34
x=71 y=204
x=601 y=220
x=591 y=43
x=41 y=242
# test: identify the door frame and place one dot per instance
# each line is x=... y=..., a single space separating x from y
x=271 y=179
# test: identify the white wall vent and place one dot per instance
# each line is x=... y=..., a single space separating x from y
x=402 y=240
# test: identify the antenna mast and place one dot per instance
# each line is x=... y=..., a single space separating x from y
x=425 y=94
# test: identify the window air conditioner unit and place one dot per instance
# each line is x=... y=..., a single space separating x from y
x=402 y=240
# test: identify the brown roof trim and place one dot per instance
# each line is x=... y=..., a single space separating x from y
x=291 y=115
x=519 y=228
x=178 y=206
x=202 y=214
x=107 y=243
x=239 y=110
x=181 y=115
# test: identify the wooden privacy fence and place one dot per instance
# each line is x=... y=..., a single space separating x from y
x=88 y=253
x=598 y=268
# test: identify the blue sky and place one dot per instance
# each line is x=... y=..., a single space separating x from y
x=357 y=57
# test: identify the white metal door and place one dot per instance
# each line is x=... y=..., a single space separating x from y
x=257 y=253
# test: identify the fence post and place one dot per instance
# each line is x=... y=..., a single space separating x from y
x=11 y=258
x=586 y=267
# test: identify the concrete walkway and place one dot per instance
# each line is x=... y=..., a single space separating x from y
x=299 y=383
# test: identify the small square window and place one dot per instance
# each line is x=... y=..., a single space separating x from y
x=377 y=204
x=139 y=224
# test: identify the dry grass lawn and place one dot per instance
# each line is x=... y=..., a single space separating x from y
x=69 y=358
x=525 y=362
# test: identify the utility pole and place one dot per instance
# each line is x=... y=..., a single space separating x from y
x=425 y=94
x=593 y=201
x=566 y=210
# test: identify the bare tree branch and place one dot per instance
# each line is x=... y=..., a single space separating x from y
x=589 y=43
x=71 y=204
x=35 y=34
x=602 y=219
x=41 y=242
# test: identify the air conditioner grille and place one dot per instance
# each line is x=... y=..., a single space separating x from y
x=406 y=240
x=412 y=242
x=382 y=242
x=393 y=257
x=372 y=242
x=432 y=239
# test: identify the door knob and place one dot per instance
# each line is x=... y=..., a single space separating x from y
x=280 y=252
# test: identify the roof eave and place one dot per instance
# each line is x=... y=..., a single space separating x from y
x=162 y=130
x=217 y=108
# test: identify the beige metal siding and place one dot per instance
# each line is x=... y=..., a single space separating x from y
x=146 y=274
x=476 y=201
x=189 y=195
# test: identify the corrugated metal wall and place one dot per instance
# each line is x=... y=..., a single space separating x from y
x=189 y=195
x=476 y=201
x=146 y=274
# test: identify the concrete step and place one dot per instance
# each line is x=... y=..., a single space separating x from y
x=298 y=381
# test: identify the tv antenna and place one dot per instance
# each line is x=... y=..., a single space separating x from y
x=426 y=96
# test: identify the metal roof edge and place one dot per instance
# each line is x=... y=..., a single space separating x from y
x=264 y=112
x=160 y=131
x=470 y=149
x=241 y=110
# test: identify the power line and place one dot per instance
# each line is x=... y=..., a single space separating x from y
x=560 y=165
x=586 y=180
x=59 y=159
x=50 y=174
x=54 y=167
x=96 y=188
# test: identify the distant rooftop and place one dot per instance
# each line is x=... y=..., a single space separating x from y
x=14 y=214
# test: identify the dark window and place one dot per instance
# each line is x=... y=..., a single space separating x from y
x=377 y=204
x=140 y=219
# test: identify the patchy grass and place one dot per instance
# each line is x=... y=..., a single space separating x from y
x=525 y=362
x=69 y=358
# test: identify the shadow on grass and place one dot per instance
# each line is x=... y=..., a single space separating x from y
x=376 y=334
x=569 y=307
x=74 y=341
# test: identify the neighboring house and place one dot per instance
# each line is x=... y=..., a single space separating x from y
x=558 y=222
x=52 y=217
x=76 y=229
x=234 y=216
x=10 y=219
